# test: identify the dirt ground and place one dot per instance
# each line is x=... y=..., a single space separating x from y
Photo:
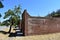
x=54 y=36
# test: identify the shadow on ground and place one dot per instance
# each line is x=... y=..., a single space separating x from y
x=17 y=33
x=3 y=32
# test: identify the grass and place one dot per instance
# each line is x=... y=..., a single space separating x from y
x=54 y=36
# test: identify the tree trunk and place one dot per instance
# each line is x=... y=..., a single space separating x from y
x=10 y=29
x=10 y=26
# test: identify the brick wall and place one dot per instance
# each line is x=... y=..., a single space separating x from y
x=25 y=22
x=39 y=25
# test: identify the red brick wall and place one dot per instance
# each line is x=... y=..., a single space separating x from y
x=43 y=26
x=39 y=25
x=25 y=22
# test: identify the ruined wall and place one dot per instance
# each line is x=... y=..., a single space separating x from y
x=25 y=22
x=43 y=25
x=39 y=25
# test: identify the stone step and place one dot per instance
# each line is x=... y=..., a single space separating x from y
x=19 y=33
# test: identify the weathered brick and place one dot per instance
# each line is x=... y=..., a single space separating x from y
x=39 y=25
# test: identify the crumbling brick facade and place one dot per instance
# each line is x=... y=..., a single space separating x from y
x=39 y=25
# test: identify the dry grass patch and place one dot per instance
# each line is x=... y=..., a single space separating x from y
x=54 y=36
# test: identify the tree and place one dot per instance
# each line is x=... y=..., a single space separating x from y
x=54 y=14
x=1 y=5
x=5 y=23
x=0 y=15
x=51 y=14
x=13 y=15
x=17 y=11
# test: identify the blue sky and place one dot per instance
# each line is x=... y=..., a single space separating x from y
x=34 y=7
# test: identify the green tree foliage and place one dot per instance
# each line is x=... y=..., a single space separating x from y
x=5 y=23
x=1 y=5
x=14 y=16
x=0 y=15
x=54 y=14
